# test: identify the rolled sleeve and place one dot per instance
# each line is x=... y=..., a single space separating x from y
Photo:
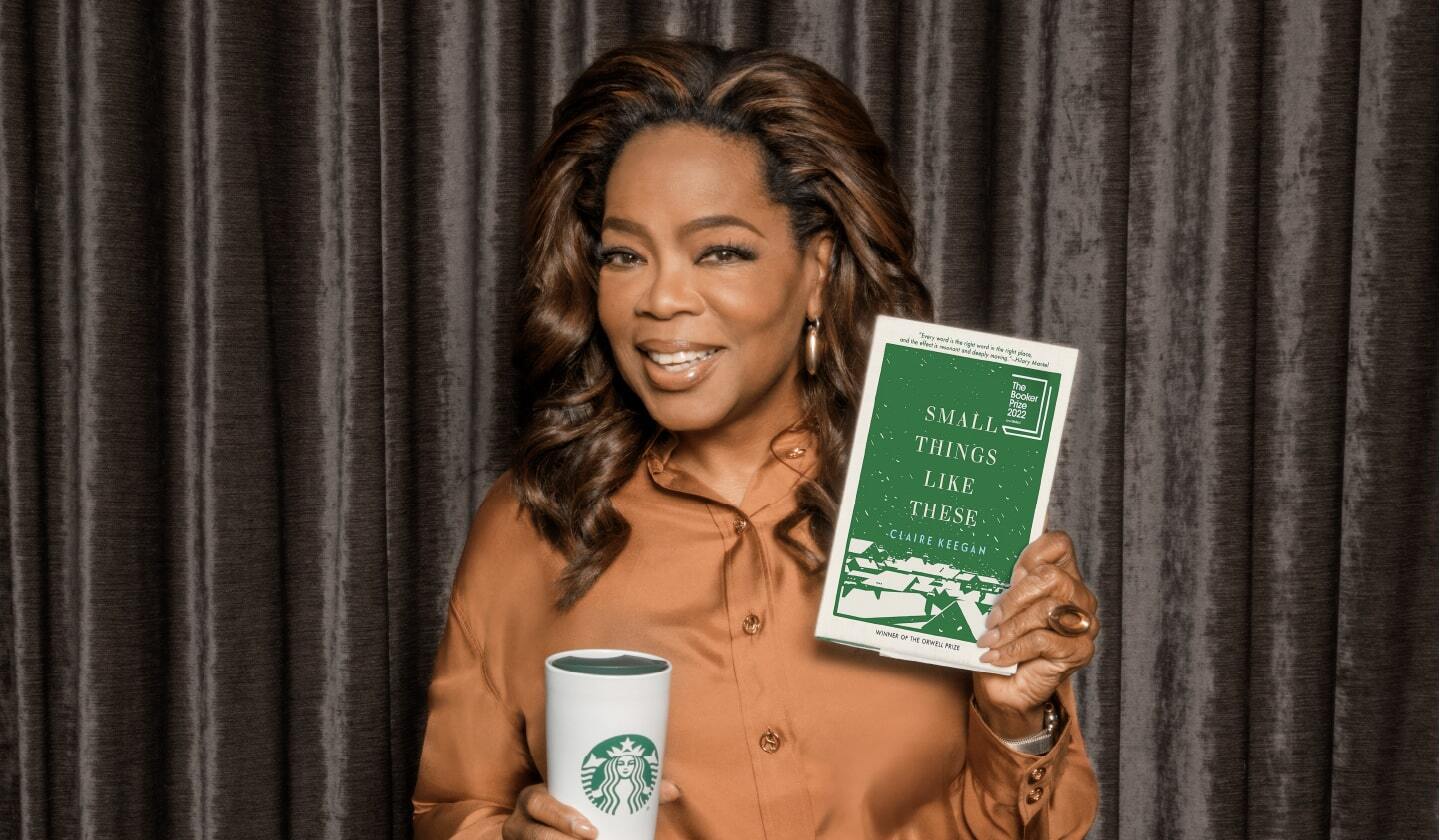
x=1004 y=793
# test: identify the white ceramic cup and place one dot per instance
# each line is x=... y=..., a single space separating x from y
x=605 y=716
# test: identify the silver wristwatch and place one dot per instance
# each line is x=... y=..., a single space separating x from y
x=1041 y=742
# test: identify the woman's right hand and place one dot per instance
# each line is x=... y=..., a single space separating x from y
x=540 y=816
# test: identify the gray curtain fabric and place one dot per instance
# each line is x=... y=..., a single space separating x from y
x=256 y=272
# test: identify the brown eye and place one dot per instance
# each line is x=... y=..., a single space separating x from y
x=619 y=258
x=727 y=254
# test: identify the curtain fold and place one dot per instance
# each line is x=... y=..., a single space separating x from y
x=1189 y=465
x=257 y=272
x=1307 y=128
x=1384 y=676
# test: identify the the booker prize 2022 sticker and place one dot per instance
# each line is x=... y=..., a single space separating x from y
x=619 y=775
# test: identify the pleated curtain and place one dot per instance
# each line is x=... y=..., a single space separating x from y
x=257 y=264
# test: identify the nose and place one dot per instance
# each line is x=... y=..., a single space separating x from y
x=671 y=292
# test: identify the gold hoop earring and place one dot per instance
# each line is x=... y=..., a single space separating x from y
x=812 y=347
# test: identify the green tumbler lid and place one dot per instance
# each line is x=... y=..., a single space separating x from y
x=621 y=665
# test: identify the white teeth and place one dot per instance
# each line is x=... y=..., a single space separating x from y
x=683 y=359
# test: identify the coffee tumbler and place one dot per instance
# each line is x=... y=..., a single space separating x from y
x=605 y=717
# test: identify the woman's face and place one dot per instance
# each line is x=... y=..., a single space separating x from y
x=703 y=292
x=625 y=766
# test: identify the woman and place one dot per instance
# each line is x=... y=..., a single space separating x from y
x=709 y=239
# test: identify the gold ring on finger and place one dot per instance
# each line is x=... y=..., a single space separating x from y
x=1070 y=620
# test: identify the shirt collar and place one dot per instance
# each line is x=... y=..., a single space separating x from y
x=793 y=447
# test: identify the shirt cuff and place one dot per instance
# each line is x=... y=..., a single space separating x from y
x=1013 y=778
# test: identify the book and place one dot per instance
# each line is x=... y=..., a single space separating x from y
x=950 y=471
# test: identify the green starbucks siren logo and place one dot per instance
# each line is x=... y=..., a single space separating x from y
x=621 y=770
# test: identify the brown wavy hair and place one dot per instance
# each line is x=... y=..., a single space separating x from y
x=587 y=431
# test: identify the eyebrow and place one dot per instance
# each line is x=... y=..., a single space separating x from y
x=703 y=223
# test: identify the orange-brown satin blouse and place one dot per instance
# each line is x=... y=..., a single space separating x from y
x=773 y=733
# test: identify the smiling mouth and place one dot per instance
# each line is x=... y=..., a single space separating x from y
x=682 y=361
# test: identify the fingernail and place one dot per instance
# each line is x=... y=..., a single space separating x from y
x=989 y=656
x=579 y=825
x=993 y=618
x=989 y=639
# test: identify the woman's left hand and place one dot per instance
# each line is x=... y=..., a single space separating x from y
x=1046 y=576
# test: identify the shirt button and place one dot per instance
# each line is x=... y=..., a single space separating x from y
x=751 y=624
x=770 y=741
x=741 y=523
x=1034 y=795
x=795 y=453
x=1036 y=774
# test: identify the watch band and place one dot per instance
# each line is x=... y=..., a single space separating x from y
x=1041 y=742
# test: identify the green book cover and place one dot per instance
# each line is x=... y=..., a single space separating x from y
x=950 y=472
